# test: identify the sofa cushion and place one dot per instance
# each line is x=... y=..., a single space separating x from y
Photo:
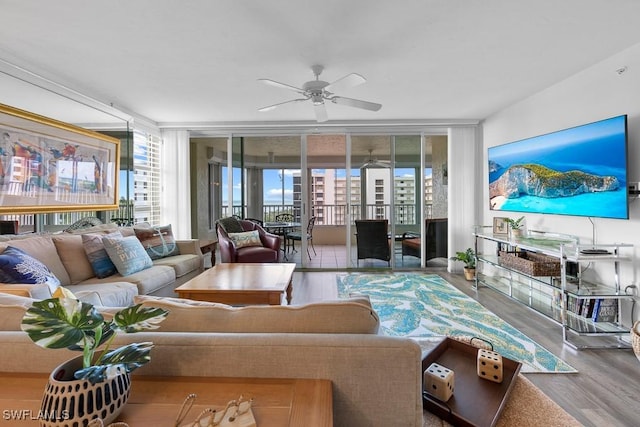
x=147 y=281
x=37 y=290
x=97 y=255
x=16 y=266
x=245 y=239
x=182 y=264
x=157 y=241
x=92 y=298
x=43 y=249
x=113 y=294
x=73 y=256
x=257 y=254
x=12 y=309
x=127 y=254
x=326 y=317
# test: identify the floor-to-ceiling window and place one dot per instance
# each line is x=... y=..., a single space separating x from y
x=346 y=177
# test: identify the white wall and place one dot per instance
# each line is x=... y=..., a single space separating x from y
x=595 y=93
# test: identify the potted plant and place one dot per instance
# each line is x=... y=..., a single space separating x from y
x=70 y=323
x=468 y=257
x=516 y=225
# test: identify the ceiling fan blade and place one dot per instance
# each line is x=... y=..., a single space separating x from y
x=345 y=82
x=372 y=106
x=321 y=112
x=274 y=106
x=281 y=85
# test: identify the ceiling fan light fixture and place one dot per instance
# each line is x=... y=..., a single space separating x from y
x=317 y=99
x=318 y=91
x=372 y=163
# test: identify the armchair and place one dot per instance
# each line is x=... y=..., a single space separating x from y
x=268 y=252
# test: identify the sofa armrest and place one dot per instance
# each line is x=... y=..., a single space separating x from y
x=35 y=291
x=189 y=246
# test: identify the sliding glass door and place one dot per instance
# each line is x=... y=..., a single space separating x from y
x=325 y=182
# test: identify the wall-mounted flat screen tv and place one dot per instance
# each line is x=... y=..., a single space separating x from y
x=576 y=171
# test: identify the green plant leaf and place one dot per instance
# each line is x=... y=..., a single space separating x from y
x=107 y=332
x=468 y=257
x=123 y=359
x=62 y=323
x=138 y=318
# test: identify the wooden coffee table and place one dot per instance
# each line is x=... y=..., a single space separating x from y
x=241 y=284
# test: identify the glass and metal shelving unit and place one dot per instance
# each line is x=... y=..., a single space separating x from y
x=559 y=297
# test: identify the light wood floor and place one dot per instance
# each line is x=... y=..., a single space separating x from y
x=605 y=392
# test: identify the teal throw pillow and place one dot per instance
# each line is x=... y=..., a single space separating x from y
x=127 y=254
x=98 y=258
x=158 y=241
x=17 y=266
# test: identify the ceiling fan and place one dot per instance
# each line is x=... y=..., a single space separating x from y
x=372 y=163
x=319 y=91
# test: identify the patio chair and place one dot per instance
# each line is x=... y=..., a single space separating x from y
x=297 y=235
x=372 y=240
x=282 y=232
x=256 y=220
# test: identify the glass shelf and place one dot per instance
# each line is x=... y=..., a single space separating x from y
x=582 y=325
x=591 y=290
x=545 y=294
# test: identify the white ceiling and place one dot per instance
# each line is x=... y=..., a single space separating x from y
x=199 y=60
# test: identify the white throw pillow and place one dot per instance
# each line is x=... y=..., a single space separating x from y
x=245 y=239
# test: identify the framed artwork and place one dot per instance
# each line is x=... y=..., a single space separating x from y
x=500 y=226
x=51 y=166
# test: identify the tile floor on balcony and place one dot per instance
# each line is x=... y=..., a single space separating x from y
x=335 y=257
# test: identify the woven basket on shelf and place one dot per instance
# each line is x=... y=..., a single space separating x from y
x=635 y=338
x=531 y=263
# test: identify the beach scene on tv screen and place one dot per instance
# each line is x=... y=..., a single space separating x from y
x=577 y=171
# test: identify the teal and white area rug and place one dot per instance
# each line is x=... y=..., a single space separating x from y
x=427 y=306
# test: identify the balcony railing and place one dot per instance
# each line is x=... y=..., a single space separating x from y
x=336 y=214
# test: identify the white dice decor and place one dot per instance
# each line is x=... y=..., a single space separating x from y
x=438 y=381
x=490 y=365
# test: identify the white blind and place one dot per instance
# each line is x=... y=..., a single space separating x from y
x=146 y=177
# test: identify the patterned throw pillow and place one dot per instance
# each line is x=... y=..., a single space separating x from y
x=231 y=225
x=100 y=262
x=244 y=239
x=158 y=241
x=127 y=254
x=16 y=266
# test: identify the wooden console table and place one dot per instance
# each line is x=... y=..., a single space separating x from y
x=207 y=246
x=155 y=401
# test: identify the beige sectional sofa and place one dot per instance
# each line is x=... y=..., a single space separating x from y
x=65 y=256
x=376 y=379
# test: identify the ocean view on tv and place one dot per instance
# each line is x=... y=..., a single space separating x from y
x=577 y=171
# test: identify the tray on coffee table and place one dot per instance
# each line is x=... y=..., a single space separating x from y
x=475 y=402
